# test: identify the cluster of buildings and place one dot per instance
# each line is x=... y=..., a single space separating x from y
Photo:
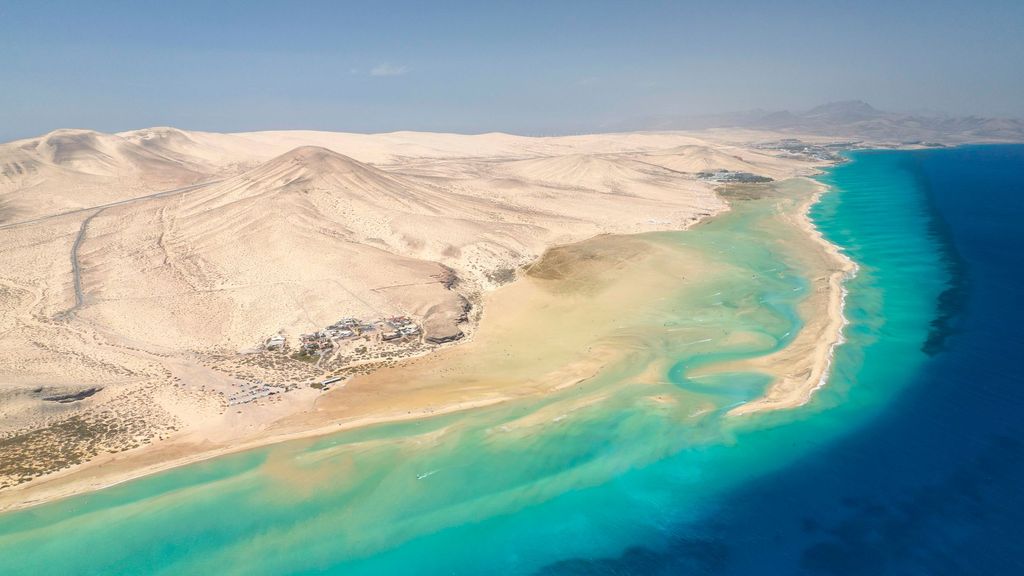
x=347 y=328
x=799 y=149
x=732 y=176
x=398 y=327
x=317 y=343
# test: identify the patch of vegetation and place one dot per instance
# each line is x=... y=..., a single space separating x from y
x=501 y=276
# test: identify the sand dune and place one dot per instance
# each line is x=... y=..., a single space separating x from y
x=69 y=169
x=313 y=235
x=591 y=172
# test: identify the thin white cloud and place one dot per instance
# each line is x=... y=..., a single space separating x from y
x=388 y=70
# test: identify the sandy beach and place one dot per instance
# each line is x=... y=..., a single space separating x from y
x=502 y=362
x=561 y=211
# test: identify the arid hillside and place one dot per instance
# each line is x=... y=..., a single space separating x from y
x=162 y=283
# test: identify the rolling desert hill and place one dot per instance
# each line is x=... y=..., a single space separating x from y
x=696 y=158
x=70 y=169
x=312 y=234
x=588 y=172
x=293 y=244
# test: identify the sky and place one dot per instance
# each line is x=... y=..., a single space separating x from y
x=522 y=67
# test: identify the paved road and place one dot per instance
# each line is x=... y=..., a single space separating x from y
x=111 y=204
x=75 y=271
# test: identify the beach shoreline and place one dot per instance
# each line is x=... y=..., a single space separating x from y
x=331 y=413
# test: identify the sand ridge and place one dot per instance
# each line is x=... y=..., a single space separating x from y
x=803 y=366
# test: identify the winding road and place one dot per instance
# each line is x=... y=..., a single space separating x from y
x=79 y=296
x=96 y=211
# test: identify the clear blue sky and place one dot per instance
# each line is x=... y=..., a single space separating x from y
x=524 y=67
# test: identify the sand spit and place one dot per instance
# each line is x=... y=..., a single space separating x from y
x=803 y=366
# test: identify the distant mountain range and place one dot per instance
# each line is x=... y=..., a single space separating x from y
x=850 y=119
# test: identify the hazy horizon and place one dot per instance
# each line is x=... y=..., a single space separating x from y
x=526 y=69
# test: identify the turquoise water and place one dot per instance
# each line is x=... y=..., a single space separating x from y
x=922 y=470
x=622 y=475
